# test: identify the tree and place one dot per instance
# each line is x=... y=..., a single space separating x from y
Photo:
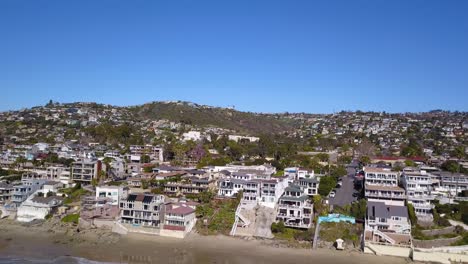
x=206 y=197
x=145 y=159
x=365 y=160
x=451 y=166
x=464 y=215
x=338 y=171
x=412 y=149
x=94 y=182
x=344 y=159
x=144 y=184
x=327 y=183
x=359 y=209
x=20 y=161
x=410 y=163
x=50 y=103
x=323 y=157
x=365 y=148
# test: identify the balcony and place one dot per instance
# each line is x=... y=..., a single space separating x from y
x=384 y=195
x=297 y=225
x=174 y=217
x=421 y=197
x=426 y=206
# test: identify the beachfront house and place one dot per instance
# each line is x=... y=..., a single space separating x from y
x=26 y=189
x=295 y=208
x=179 y=220
x=37 y=207
x=142 y=210
x=113 y=193
x=387 y=223
x=418 y=186
x=381 y=184
x=6 y=191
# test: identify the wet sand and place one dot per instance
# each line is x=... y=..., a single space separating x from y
x=39 y=242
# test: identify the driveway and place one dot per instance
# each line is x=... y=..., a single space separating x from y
x=344 y=195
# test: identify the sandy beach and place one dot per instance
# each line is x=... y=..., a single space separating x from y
x=47 y=241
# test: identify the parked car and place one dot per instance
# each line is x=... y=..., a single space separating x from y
x=332 y=194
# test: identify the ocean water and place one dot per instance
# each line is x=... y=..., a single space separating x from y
x=59 y=260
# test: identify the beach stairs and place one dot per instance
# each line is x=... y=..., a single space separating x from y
x=253 y=221
x=119 y=228
x=246 y=222
x=316 y=236
x=384 y=236
x=4 y=213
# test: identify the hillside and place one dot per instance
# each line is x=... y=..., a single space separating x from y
x=204 y=116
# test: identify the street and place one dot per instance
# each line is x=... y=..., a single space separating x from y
x=344 y=195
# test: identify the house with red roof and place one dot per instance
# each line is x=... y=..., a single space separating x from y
x=179 y=219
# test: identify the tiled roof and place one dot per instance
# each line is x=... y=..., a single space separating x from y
x=181 y=210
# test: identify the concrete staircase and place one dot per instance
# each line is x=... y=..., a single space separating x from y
x=253 y=221
x=384 y=236
x=247 y=227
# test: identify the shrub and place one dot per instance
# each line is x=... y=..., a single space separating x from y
x=278 y=227
x=412 y=214
x=72 y=218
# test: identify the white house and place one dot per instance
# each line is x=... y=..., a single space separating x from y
x=37 y=207
x=111 y=192
x=192 y=135
x=51 y=187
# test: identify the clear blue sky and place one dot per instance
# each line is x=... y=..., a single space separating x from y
x=269 y=56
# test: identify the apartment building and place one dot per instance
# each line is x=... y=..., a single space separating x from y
x=192 y=185
x=84 y=171
x=418 y=186
x=155 y=153
x=230 y=187
x=33 y=175
x=6 y=191
x=26 y=189
x=382 y=184
x=450 y=184
x=295 y=173
x=55 y=173
x=294 y=208
x=251 y=192
x=144 y=210
x=308 y=185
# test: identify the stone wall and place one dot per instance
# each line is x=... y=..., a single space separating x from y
x=443 y=231
x=444 y=242
x=439 y=257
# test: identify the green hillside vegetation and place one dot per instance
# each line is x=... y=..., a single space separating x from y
x=192 y=114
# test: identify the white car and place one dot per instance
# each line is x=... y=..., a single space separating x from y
x=332 y=194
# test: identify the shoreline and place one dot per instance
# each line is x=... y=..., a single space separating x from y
x=42 y=242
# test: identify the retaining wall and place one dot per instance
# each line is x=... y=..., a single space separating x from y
x=443 y=242
x=436 y=232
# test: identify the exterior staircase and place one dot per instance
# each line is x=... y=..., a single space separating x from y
x=384 y=236
x=253 y=221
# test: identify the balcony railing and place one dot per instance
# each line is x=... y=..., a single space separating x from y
x=301 y=225
x=385 y=195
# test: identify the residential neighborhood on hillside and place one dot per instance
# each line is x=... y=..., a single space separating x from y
x=374 y=180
